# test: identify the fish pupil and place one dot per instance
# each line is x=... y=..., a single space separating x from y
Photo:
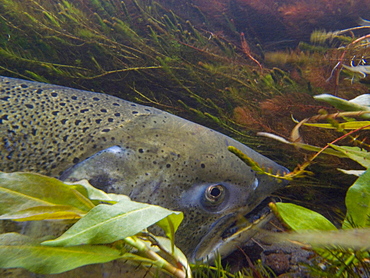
x=215 y=192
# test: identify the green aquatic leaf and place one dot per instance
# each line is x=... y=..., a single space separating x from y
x=345 y=125
x=358 y=203
x=93 y=193
x=44 y=213
x=301 y=219
x=171 y=223
x=357 y=154
x=20 y=191
x=19 y=251
x=109 y=223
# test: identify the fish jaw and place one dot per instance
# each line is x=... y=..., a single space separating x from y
x=221 y=242
x=220 y=232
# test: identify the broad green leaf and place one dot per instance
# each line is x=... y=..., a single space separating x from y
x=20 y=191
x=299 y=218
x=97 y=194
x=109 y=223
x=357 y=154
x=44 y=213
x=358 y=203
x=19 y=251
x=171 y=223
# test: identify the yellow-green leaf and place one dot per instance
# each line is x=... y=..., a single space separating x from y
x=358 y=203
x=357 y=154
x=299 y=218
x=345 y=125
x=44 y=213
x=109 y=223
x=19 y=251
x=93 y=193
x=20 y=191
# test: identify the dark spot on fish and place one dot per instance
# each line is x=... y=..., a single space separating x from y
x=62 y=104
x=84 y=129
x=76 y=160
x=103 y=110
x=4 y=117
x=115 y=104
x=4 y=98
x=168 y=165
x=29 y=106
x=203 y=165
x=54 y=94
x=24 y=86
x=55 y=113
x=9 y=156
x=77 y=122
x=135 y=112
x=84 y=110
x=141 y=150
x=96 y=98
x=38 y=91
x=106 y=130
x=154 y=162
x=117 y=114
x=74 y=97
x=34 y=131
x=98 y=121
x=110 y=120
x=53 y=166
x=133 y=104
x=63 y=121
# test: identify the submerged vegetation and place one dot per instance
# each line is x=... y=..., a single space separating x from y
x=105 y=228
x=141 y=51
x=144 y=51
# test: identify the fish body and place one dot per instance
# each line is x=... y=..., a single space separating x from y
x=122 y=147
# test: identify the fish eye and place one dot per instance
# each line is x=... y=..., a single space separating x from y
x=214 y=194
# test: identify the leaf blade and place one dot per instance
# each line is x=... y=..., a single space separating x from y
x=109 y=223
x=19 y=251
x=301 y=219
x=358 y=203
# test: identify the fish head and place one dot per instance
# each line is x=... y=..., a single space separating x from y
x=183 y=166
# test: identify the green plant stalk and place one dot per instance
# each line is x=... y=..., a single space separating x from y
x=157 y=260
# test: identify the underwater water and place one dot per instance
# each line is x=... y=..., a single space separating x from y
x=237 y=66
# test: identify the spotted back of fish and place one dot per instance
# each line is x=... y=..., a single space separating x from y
x=45 y=128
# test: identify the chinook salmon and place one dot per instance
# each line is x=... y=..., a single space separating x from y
x=148 y=154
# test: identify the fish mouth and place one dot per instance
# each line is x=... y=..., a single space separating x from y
x=222 y=242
